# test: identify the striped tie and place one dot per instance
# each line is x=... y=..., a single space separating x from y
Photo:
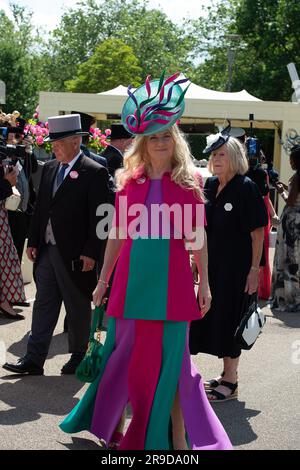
x=61 y=174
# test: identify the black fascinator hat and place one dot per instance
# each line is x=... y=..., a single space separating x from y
x=215 y=141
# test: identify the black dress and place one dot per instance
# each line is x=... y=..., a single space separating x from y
x=260 y=177
x=231 y=217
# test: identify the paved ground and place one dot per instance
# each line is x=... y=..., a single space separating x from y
x=266 y=415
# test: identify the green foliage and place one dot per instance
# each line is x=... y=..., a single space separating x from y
x=16 y=61
x=268 y=37
x=113 y=63
x=155 y=40
x=216 y=36
x=272 y=41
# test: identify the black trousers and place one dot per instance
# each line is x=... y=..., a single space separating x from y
x=19 y=226
x=55 y=286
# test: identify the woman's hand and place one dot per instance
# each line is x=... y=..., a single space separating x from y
x=88 y=263
x=28 y=144
x=252 y=281
x=275 y=220
x=98 y=294
x=31 y=253
x=11 y=177
x=204 y=296
x=285 y=186
x=280 y=188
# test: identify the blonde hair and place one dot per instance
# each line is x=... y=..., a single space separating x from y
x=183 y=173
x=238 y=163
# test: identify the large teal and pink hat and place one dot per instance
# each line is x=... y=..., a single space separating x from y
x=154 y=106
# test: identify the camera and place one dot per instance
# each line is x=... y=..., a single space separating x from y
x=10 y=153
x=253 y=152
x=253 y=147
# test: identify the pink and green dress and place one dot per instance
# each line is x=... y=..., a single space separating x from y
x=146 y=357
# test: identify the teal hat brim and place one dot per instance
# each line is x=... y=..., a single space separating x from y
x=164 y=112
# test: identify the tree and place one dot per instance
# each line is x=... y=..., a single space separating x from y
x=212 y=45
x=113 y=63
x=268 y=32
x=273 y=41
x=17 y=60
x=155 y=40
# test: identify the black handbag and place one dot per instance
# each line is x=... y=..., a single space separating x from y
x=251 y=323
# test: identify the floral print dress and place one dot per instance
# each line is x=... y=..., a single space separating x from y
x=286 y=269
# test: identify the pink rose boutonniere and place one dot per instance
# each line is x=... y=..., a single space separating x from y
x=73 y=174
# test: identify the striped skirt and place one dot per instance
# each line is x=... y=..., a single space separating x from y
x=144 y=363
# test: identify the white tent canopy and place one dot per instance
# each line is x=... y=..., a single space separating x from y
x=198 y=92
x=119 y=91
x=195 y=92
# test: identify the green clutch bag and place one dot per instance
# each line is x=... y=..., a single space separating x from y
x=89 y=368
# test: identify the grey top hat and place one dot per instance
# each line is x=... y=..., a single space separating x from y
x=64 y=126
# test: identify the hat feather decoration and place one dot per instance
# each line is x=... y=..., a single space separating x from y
x=154 y=106
x=215 y=141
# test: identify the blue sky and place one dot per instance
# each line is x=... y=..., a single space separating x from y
x=48 y=13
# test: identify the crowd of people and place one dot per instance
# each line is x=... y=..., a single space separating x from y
x=155 y=319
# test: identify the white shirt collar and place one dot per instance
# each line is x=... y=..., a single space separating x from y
x=71 y=164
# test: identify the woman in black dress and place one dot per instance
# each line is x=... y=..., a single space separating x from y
x=236 y=215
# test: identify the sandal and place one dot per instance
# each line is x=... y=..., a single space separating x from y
x=213 y=383
x=218 y=396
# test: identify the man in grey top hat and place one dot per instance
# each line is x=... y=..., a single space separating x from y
x=64 y=246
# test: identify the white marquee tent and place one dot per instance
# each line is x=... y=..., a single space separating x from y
x=195 y=92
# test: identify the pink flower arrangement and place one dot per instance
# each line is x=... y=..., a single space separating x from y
x=36 y=131
x=99 y=140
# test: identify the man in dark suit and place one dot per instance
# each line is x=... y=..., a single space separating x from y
x=120 y=139
x=86 y=122
x=64 y=245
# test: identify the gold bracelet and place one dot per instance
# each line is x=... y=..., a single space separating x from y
x=254 y=268
x=103 y=282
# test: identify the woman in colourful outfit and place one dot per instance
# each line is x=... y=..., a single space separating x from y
x=146 y=360
x=286 y=269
